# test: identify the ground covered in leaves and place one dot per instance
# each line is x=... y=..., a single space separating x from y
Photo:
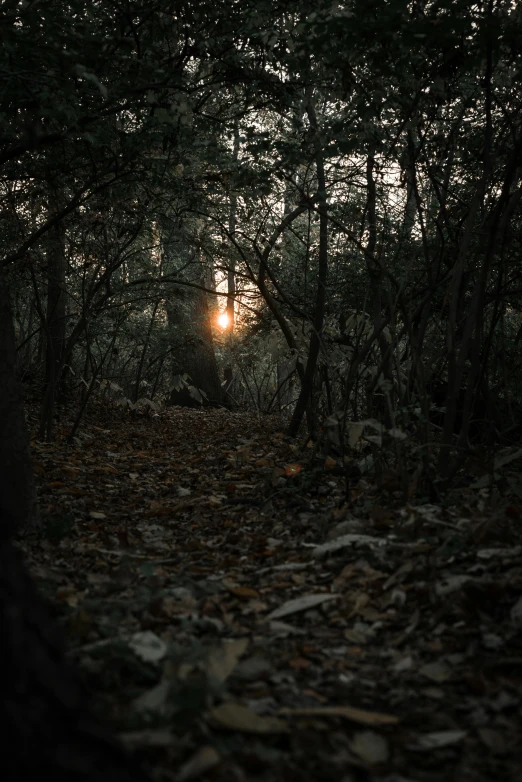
x=240 y=614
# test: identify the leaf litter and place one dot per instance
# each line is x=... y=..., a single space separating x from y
x=173 y=548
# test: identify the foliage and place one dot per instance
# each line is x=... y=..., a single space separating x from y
x=369 y=155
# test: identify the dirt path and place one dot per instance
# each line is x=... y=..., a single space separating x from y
x=238 y=621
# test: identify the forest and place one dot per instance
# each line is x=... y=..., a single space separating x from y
x=260 y=390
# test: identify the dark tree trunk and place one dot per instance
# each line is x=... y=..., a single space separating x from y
x=17 y=489
x=47 y=728
x=307 y=382
x=55 y=326
x=232 y=220
x=56 y=296
x=48 y=731
x=194 y=352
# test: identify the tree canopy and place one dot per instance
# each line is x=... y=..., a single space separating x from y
x=343 y=178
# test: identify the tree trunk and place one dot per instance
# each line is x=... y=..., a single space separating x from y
x=47 y=729
x=17 y=489
x=55 y=325
x=194 y=351
x=231 y=274
x=307 y=382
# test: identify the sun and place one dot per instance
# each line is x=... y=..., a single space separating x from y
x=223 y=320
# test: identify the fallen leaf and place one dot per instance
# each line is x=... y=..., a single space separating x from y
x=347 y=540
x=245 y=592
x=68 y=595
x=355 y=637
x=397 y=434
x=404 y=664
x=360 y=600
x=292 y=469
x=157 y=509
x=354 y=433
x=201 y=761
x=370 y=747
x=222 y=661
x=348 y=712
x=153 y=700
x=438 y=672
x=303 y=603
x=450 y=584
x=299 y=663
x=493 y=740
x=234 y=716
x=148 y=646
x=438 y=739
x=161 y=737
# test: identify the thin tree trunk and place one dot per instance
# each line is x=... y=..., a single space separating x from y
x=320 y=298
x=17 y=489
x=232 y=221
x=55 y=324
x=144 y=353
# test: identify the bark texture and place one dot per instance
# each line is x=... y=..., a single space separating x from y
x=48 y=731
x=195 y=351
x=17 y=489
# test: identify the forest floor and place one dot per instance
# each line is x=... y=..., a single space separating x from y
x=238 y=619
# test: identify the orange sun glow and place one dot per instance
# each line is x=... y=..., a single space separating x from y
x=223 y=320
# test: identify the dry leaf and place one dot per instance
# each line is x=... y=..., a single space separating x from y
x=303 y=603
x=355 y=637
x=354 y=433
x=360 y=600
x=370 y=747
x=153 y=700
x=157 y=509
x=234 y=716
x=161 y=737
x=299 y=663
x=201 y=761
x=493 y=740
x=222 y=661
x=438 y=739
x=438 y=672
x=148 y=646
x=348 y=712
x=68 y=595
x=242 y=591
x=347 y=540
